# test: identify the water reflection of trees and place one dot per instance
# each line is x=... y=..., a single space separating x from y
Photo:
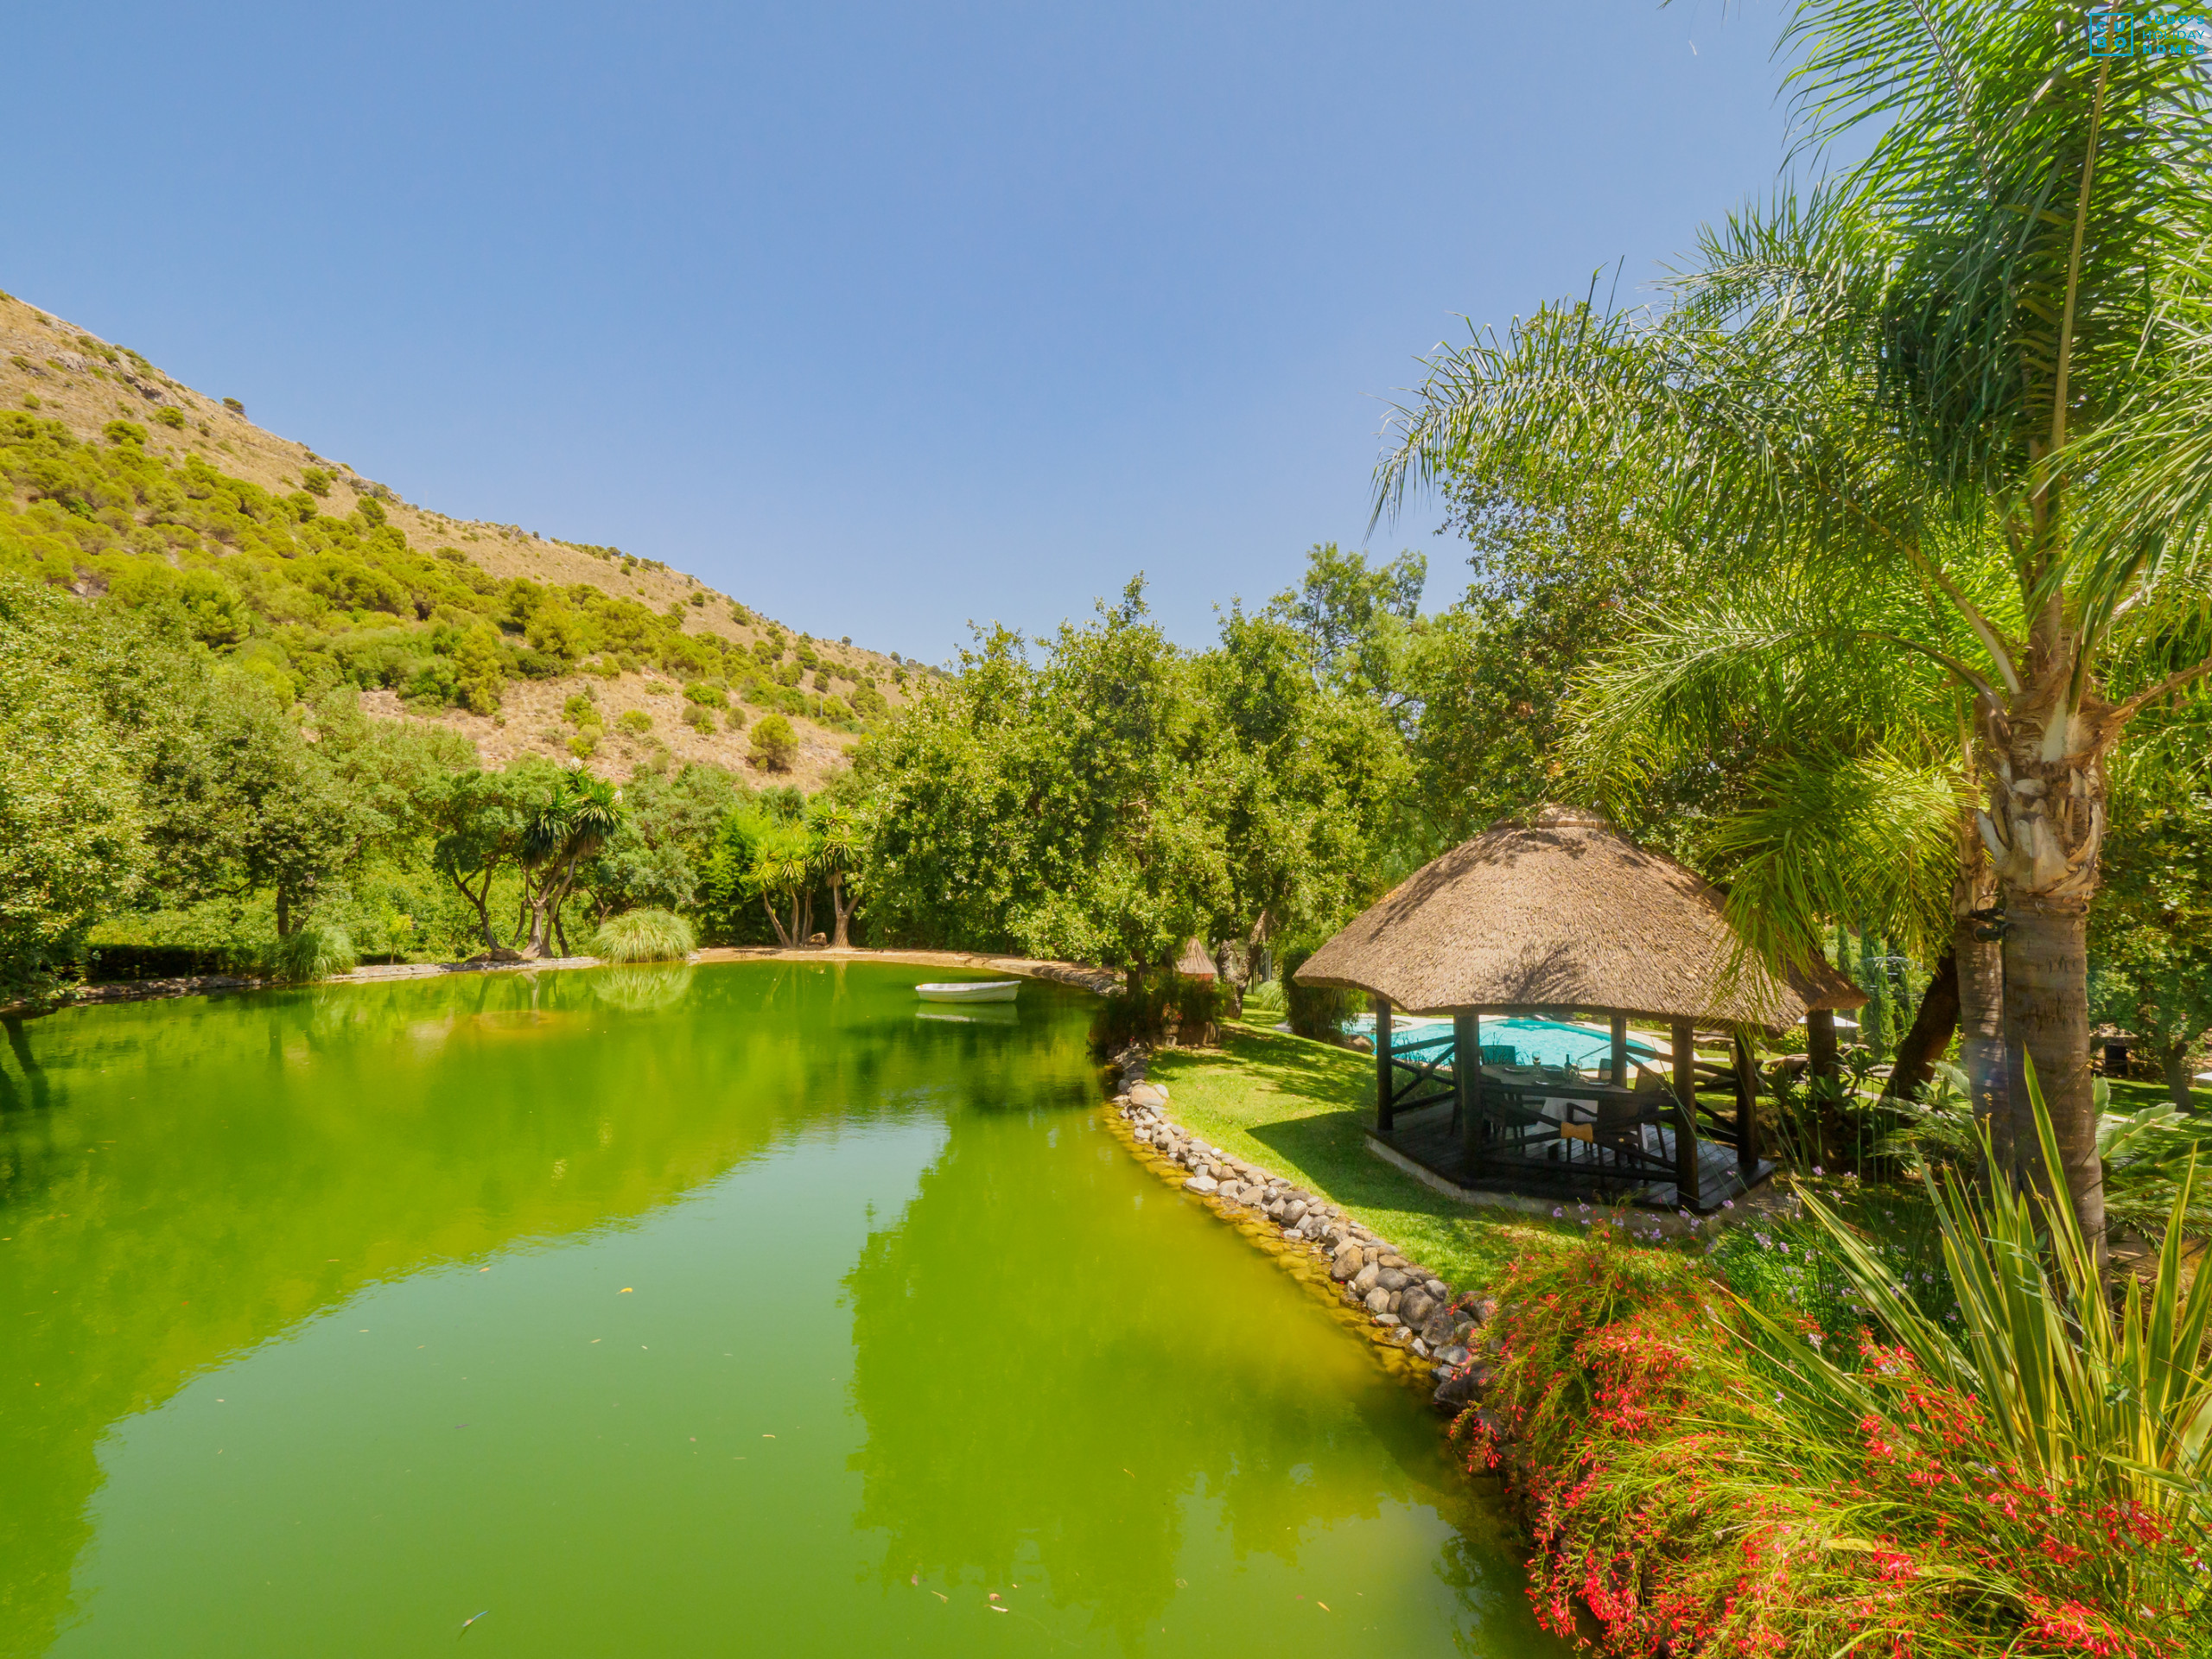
x=1040 y=1396
x=175 y=1192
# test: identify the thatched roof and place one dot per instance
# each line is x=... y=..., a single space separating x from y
x=1194 y=962
x=1562 y=912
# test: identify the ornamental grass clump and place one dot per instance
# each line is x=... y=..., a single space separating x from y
x=314 y=951
x=1706 y=1477
x=645 y=936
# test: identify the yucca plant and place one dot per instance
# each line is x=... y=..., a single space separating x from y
x=2084 y=1392
x=645 y=936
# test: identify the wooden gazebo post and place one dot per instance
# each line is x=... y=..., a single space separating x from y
x=1747 y=1101
x=1467 y=1078
x=1685 y=1183
x=1620 y=1050
x=1384 y=1117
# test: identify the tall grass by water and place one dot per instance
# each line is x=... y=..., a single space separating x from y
x=314 y=951
x=645 y=936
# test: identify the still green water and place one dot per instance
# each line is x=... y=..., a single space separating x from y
x=742 y=1309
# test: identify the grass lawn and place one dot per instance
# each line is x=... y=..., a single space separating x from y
x=1297 y=1107
x=2133 y=1097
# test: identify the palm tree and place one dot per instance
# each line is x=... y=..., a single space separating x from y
x=783 y=864
x=837 y=850
x=1850 y=797
x=1994 y=331
x=579 y=817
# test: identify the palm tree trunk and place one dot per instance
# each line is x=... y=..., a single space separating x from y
x=842 y=940
x=1820 y=1056
x=2047 y=1020
x=1933 y=1024
x=783 y=933
x=2044 y=827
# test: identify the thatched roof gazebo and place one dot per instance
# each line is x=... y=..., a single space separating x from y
x=1559 y=914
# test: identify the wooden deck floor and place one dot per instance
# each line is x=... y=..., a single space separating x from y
x=1427 y=1137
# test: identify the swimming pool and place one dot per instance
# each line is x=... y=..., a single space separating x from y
x=1536 y=1042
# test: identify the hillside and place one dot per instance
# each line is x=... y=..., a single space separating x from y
x=122 y=482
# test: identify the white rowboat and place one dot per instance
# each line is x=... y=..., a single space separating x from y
x=969 y=990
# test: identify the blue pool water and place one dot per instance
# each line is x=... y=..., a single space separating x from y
x=1536 y=1042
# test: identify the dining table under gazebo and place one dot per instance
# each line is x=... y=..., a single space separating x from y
x=1548 y=921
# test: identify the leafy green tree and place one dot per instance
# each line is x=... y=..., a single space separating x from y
x=2150 y=937
x=479 y=819
x=1355 y=616
x=70 y=820
x=1995 y=329
x=479 y=669
x=774 y=744
x=657 y=857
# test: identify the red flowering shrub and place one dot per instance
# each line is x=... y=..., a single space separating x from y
x=1683 y=1501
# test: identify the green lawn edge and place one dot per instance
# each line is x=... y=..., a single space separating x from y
x=1298 y=1107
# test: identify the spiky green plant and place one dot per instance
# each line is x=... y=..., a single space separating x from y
x=645 y=936
x=313 y=950
x=2080 y=1388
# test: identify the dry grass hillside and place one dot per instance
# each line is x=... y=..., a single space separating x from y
x=62 y=372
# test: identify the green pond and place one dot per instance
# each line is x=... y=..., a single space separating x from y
x=739 y=1309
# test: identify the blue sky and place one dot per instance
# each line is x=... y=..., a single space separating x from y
x=882 y=318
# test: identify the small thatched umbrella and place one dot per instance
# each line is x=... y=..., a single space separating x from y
x=1560 y=913
x=1194 y=962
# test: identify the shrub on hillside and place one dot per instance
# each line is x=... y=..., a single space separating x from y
x=633 y=722
x=699 y=718
x=123 y=432
x=734 y=718
x=869 y=703
x=645 y=936
x=316 y=481
x=171 y=418
x=581 y=709
x=710 y=696
x=775 y=746
x=314 y=951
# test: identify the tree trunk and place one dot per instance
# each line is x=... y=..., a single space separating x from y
x=842 y=940
x=482 y=902
x=2174 y=1064
x=283 y=913
x=1820 y=1056
x=1932 y=1025
x=783 y=933
x=2047 y=1019
x=2044 y=828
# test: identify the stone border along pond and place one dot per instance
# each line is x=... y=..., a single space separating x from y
x=1426 y=1329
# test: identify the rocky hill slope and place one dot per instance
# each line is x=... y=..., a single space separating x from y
x=117 y=480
